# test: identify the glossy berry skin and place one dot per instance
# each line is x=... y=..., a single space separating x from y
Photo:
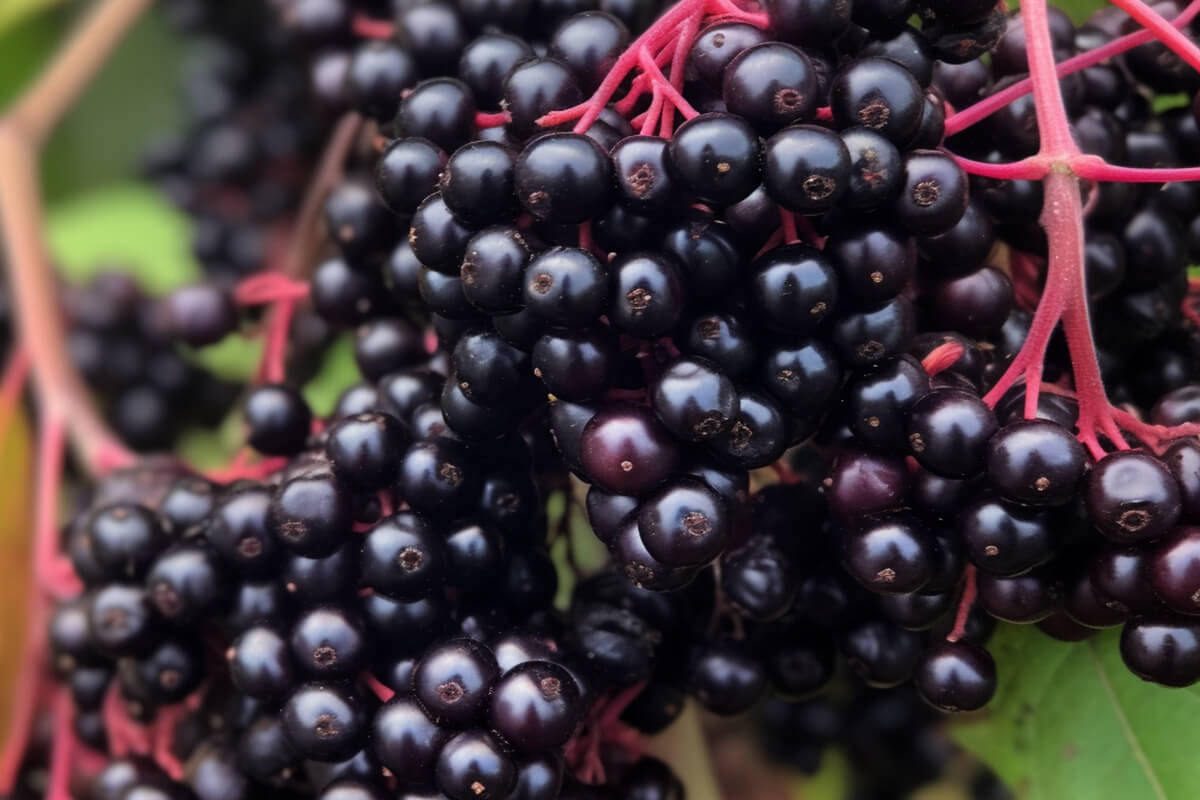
x=345 y=296
x=278 y=419
x=891 y=556
x=643 y=179
x=626 y=450
x=589 y=43
x=717 y=45
x=882 y=654
x=801 y=376
x=434 y=34
x=407 y=173
x=724 y=338
x=406 y=741
x=328 y=644
x=1020 y=599
x=794 y=289
x=329 y=579
x=324 y=722
x=453 y=681
x=358 y=222
x=716 y=158
x=758 y=436
x=878 y=94
x=403 y=558
x=125 y=539
x=933 y=196
x=364 y=449
x=694 y=400
x=240 y=534
x=806 y=169
x=487 y=60
x=535 y=88
x=200 y=315
x=642 y=570
x=563 y=178
x=566 y=286
x=437 y=237
x=771 y=85
x=808 y=22
x=477 y=183
x=441 y=110
x=648 y=294
x=1005 y=540
x=1173 y=570
x=684 y=524
x=1035 y=462
x=956 y=676
x=575 y=366
x=536 y=706
x=1131 y=497
x=260 y=663
x=977 y=304
x=492 y=268
x=377 y=75
x=473 y=766
x=948 y=432
x=726 y=680
x=437 y=476
x=1183 y=460
x=876 y=168
x=868 y=337
x=311 y=515
x=863 y=484
x=1162 y=651
x=878 y=402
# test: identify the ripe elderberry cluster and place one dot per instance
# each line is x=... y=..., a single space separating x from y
x=746 y=284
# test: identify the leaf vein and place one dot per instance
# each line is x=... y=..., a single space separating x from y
x=1126 y=729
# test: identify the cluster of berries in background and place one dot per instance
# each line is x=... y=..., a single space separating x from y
x=737 y=286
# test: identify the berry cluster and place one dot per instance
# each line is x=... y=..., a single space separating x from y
x=744 y=286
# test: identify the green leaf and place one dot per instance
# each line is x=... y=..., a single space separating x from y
x=124 y=225
x=338 y=372
x=831 y=782
x=13 y=11
x=1070 y=721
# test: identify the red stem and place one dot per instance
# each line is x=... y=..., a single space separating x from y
x=1163 y=31
x=942 y=357
x=493 y=119
x=1027 y=169
x=370 y=28
x=972 y=114
x=970 y=591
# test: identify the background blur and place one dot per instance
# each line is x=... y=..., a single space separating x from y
x=100 y=215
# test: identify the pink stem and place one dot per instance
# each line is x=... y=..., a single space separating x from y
x=269 y=287
x=972 y=114
x=970 y=591
x=787 y=224
x=377 y=688
x=654 y=37
x=16 y=376
x=661 y=84
x=273 y=367
x=1027 y=169
x=370 y=28
x=485 y=119
x=48 y=559
x=729 y=9
x=1097 y=169
x=1150 y=19
x=942 y=357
